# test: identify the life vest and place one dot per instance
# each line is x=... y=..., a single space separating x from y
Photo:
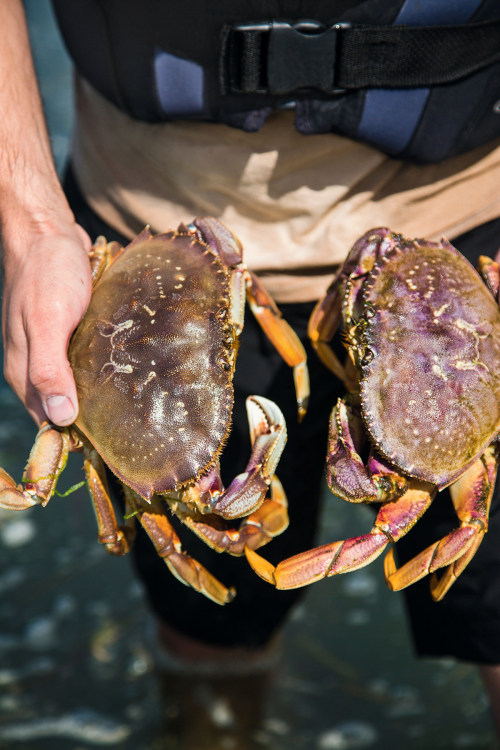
x=417 y=79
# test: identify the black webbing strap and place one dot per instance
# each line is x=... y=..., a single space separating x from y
x=277 y=57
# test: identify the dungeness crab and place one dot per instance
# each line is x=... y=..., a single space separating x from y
x=153 y=360
x=423 y=334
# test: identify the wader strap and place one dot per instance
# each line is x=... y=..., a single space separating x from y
x=276 y=57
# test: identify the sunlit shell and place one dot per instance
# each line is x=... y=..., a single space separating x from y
x=431 y=369
x=153 y=360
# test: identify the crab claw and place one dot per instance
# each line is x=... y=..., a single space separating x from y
x=347 y=475
x=46 y=461
x=257 y=529
x=268 y=436
x=12 y=495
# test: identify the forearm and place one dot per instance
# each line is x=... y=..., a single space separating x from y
x=45 y=265
x=31 y=197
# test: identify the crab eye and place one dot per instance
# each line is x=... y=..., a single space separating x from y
x=223 y=364
x=367 y=357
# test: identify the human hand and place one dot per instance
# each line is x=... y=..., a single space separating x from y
x=46 y=290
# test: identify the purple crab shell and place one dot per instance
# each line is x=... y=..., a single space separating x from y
x=430 y=374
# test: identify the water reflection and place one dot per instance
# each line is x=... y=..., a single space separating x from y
x=76 y=667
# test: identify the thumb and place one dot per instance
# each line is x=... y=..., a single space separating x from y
x=60 y=409
x=50 y=373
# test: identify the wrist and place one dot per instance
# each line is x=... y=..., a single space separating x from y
x=29 y=218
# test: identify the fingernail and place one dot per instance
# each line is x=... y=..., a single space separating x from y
x=60 y=410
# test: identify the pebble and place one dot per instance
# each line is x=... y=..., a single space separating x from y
x=277 y=726
x=405 y=701
x=469 y=741
x=9 y=642
x=17 y=533
x=358 y=617
x=359 y=584
x=40 y=632
x=35 y=667
x=64 y=605
x=221 y=714
x=81 y=725
x=347 y=736
x=63 y=556
x=138 y=666
x=11 y=579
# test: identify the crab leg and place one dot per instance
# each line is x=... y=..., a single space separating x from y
x=281 y=335
x=116 y=539
x=167 y=544
x=323 y=325
x=246 y=285
x=471 y=495
x=393 y=521
x=490 y=273
x=46 y=461
x=98 y=258
x=104 y=253
x=268 y=437
x=257 y=529
x=343 y=293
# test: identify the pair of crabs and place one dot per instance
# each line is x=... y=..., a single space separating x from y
x=154 y=358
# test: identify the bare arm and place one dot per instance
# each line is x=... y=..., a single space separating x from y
x=46 y=274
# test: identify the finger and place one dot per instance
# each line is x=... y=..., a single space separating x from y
x=16 y=375
x=84 y=237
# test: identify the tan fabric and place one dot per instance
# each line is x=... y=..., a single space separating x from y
x=297 y=202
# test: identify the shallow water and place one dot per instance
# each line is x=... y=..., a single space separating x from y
x=75 y=666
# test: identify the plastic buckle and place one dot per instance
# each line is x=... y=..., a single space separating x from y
x=295 y=56
x=303 y=56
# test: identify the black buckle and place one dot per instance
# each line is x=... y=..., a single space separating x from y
x=279 y=58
